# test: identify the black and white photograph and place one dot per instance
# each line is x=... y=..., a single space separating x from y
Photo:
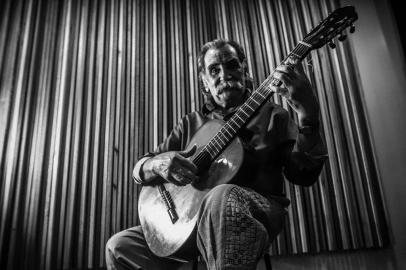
x=202 y=134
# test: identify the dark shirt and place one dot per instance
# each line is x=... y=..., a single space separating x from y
x=269 y=140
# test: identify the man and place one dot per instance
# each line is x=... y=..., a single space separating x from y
x=236 y=222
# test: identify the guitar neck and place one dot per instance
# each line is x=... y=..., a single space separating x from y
x=244 y=113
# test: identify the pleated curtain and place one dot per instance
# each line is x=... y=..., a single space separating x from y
x=87 y=87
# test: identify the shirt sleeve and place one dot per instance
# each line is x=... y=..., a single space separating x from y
x=172 y=143
x=302 y=167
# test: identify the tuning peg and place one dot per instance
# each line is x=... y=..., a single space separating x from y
x=332 y=45
x=352 y=28
x=342 y=37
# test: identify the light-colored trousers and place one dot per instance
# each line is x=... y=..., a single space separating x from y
x=235 y=227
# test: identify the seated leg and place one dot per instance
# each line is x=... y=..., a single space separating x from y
x=236 y=226
x=129 y=250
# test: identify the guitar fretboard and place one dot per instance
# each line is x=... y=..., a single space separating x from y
x=246 y=111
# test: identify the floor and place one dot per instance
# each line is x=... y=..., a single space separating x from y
x=381 y=259
x=350 y=260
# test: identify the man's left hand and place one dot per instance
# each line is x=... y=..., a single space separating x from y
x=296 y=88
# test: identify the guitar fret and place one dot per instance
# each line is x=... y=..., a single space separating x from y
x=239 y=117
x=298 y=56
x=216 y=143
x=210 y=151
x=256 y=102
x=247 y=115
x=219 y=136
x=235 y=131
x=246 y=104
x=266 y=91
x=305 y=43
x=212 y=142
x=224 y=134
x=301 y=49
x=236 y=121
x=213 y=147
x=225 y=128
x=259 y=93
x=232 y=120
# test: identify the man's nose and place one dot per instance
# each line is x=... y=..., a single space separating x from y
x=224 y=73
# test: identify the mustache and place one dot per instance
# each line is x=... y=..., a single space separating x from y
x=225 y=85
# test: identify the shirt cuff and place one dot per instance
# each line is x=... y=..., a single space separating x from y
x=136 y=171
x=314 y=158
x=319 y=150
x=317 y=155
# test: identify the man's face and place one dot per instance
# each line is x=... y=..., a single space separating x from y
x=224 y=76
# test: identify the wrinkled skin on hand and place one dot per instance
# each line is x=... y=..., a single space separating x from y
x=175 y=167
x=296 y=88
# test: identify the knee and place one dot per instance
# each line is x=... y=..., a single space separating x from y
x=113 y=245
x=215 y=202
x=219 y=194
x=119 y=245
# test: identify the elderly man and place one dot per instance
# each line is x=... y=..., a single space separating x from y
x=237 y=222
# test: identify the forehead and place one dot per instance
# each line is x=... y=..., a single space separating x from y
x=220 y=55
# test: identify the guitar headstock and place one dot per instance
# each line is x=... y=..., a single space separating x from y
x=330 y=27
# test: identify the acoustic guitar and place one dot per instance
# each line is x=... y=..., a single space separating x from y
x=168 y=212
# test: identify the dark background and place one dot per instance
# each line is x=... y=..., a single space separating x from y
x=398 y=12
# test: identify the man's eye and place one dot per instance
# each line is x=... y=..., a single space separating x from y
x=233 y=65
x=214 y=71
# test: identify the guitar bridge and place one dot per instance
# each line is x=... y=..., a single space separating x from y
x=170 y=206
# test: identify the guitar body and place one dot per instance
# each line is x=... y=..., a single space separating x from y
x=165 y=238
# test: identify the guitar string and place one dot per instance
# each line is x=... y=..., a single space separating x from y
x=299 y=50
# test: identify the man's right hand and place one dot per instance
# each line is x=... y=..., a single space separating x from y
x=173 y=166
